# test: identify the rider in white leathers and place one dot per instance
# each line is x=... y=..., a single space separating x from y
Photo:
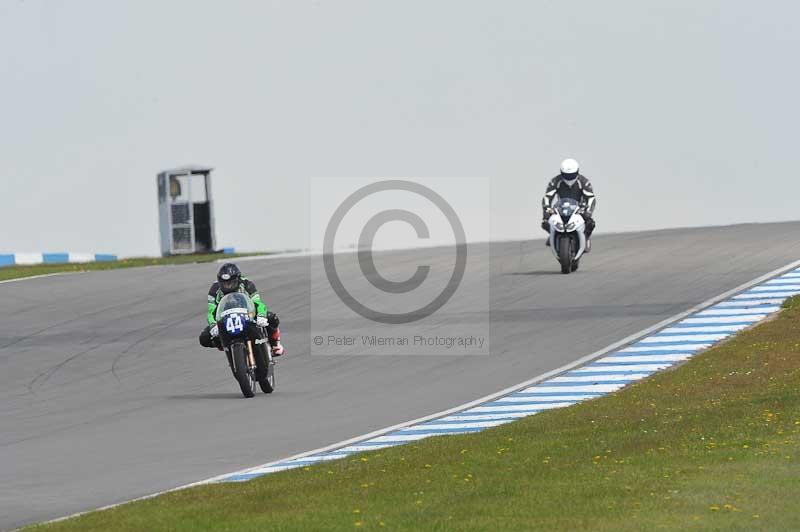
x=570 y=183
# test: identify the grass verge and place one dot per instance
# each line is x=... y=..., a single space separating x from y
x=18 y=272
x=713 y=444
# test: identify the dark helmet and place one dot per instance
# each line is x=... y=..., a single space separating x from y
x=229 y=277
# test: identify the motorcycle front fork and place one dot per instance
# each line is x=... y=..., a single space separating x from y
x=251 y=359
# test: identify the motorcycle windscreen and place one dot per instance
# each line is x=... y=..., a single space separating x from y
x=236 y=303
x=566 y=208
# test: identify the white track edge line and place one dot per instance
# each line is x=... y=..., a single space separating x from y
x=17 y=279
x=511 y=389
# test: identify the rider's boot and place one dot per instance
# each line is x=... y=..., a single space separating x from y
x=590 y=225
x=546 y=228
x=275 y=343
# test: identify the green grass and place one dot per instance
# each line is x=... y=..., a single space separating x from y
x=710 y=445
x=17 y=272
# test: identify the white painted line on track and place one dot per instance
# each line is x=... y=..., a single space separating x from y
x=514 y=408
x=600 y=388
x=486 y=417
x=594 y=378
x=628 y=367
x=395 y=437
x=753 y=303
x=759 y=296
x=649 y=358
x=739 y=312
x=708 y=329
x=673 y=347
x=518 y=407
x=321 y=458
x=464 y=425
x=19 y=279
x=661 y=338
x=362 y=448
x=521 y=402
x=726 y=319
x=547 y=398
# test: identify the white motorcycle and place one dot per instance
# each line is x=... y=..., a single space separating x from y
x=567 y=237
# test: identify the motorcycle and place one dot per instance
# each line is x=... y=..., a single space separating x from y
x=567 y=237
x=238 y=333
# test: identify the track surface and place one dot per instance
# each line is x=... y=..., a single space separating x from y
x=105 y=394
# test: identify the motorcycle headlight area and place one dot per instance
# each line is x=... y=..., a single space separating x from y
x=559 y=226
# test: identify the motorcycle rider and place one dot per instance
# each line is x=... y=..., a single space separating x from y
x=570 y=183
x=230 y=279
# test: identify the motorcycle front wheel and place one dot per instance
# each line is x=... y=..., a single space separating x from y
x=241 y=370
x=565 y=254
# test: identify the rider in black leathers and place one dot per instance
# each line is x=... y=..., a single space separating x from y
x=230 y=279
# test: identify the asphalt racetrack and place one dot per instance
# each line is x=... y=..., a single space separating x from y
x=105 y=394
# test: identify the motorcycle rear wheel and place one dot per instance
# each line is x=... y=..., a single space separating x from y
x=268 y=383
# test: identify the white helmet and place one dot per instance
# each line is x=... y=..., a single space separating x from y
x=570 y=166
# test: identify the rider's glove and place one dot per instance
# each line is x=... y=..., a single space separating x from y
x=261 y=321
x=214 y=331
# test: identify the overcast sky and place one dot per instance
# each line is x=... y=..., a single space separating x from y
x=681 y=112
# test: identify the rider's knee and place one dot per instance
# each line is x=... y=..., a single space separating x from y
x=205 y=339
